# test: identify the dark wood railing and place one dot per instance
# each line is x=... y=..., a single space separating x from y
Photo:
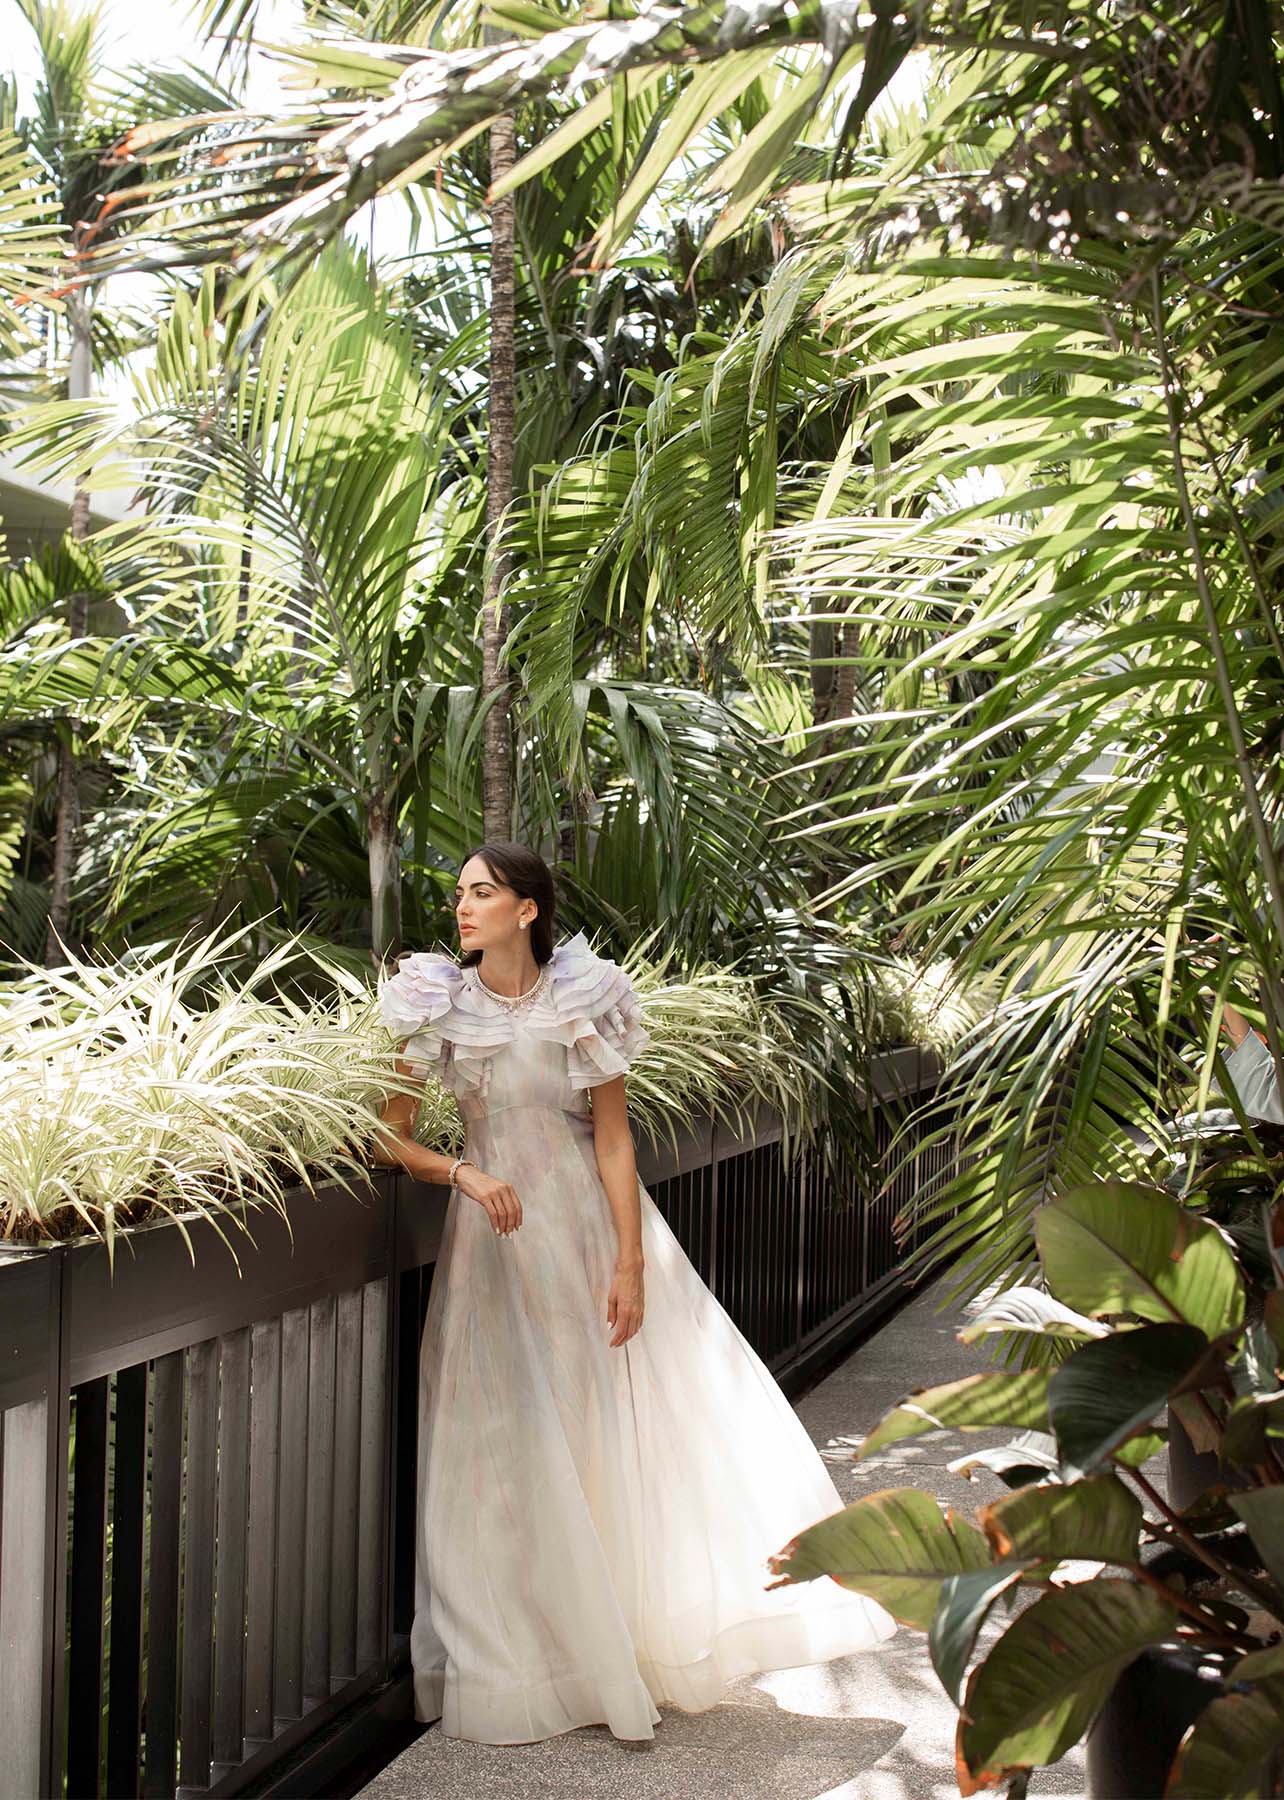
x=207 y=1465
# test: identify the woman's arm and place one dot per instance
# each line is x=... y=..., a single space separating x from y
x=617 y=1165
x=1251 y=1069
x=394 y=1142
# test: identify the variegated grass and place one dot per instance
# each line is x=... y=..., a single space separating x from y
x=161 y=1090
x=924 y=1004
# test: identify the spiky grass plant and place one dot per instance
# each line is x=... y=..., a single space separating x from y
x=165 y=1089
x=716 y=1045
x=159 y=1090
x=926 y=1004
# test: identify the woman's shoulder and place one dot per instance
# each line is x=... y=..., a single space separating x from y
x=424 y=986
x=595 y=1011
x=584 y=976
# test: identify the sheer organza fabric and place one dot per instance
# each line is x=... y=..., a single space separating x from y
x=594 y=1523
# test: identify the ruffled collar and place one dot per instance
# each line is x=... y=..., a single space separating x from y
x=566 y=955
x=587 y=1004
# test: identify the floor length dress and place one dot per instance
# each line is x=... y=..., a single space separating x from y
x=594 y=1523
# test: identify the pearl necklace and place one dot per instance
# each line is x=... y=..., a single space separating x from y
x=512 y=1001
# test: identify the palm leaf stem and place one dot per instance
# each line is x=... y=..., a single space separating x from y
x=1274 y=1012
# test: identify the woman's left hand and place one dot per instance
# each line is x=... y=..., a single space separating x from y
x=625 y=1305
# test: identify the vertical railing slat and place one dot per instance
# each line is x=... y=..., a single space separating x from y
x=226 y=1738
x=260 y=1586
x=320 y=1480
x=347 y=1473
x=23 y=1500
x=199 y=1519
x=129 y=1500
x=87 y=1589
x=371 y=1510
x=165 y=1489
x=287 y=1685
x=413 y=1288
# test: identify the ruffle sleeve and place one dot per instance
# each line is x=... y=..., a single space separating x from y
x=595 y=1011
x=414 y=1004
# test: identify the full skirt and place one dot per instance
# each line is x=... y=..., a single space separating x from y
x=594 y=1523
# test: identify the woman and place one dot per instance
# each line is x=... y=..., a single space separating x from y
x=604 y=1463
x=1251 y=1069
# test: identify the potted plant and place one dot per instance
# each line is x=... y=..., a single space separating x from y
x=1232 y=1176
x=1146 y=1304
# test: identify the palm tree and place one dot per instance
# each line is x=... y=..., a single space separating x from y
x=68 y=139
x=33 y=599
x=301 y=432
x=77 y=118
x=497 y=754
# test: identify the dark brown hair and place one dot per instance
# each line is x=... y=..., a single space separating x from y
x=526 y=872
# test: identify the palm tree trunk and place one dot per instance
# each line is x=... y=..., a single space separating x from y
x=497 y=755
x=80 y=315
x=833 y=695
x=577 y=811
x=385 y=875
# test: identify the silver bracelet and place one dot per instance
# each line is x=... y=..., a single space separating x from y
x=454 y=1167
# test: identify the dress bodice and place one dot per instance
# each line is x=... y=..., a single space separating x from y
x=584 y=1027
x=526 y=1071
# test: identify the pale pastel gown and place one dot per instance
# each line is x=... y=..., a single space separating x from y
x=594 y=1523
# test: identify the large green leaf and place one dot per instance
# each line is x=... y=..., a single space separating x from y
x=963 y=1607
x=897 y=1546
x=1262 y=1510
x=1098 y=1519
x=1043 y=1683
x=1118 y=1246
x=1108 y=1389
x=1222 y=1757
x=977 y=1403
x=1253 y=1420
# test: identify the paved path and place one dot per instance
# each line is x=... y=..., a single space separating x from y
x=877 y=1726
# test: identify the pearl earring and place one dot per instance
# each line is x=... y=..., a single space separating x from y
x=525 y=922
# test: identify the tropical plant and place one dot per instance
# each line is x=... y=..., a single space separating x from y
x=301 y=477
x=158 y=1090
x=76 y=118
x=34 y=596
x=203 y=1082
x=1053 y=513
x=1194 y=114
x=1009 y=528
x=1146 y=1306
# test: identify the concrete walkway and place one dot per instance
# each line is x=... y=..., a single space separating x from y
x=877 y=1726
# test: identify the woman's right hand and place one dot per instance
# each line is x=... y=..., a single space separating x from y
x=498 y=1197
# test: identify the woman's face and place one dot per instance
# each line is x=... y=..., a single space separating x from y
x=487 y=913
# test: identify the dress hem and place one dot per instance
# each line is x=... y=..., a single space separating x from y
x=691 y=1687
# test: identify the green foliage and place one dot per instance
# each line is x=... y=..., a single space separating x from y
x=1040 y=1687
x=1108 y=1390
x=1232 y=1739
x=205 y=1082
x=1036 y=1688
x=977 y=1403
x=161 y=1090
x=1120 y=1247
x=896 y=1547
x=1098 y=1518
